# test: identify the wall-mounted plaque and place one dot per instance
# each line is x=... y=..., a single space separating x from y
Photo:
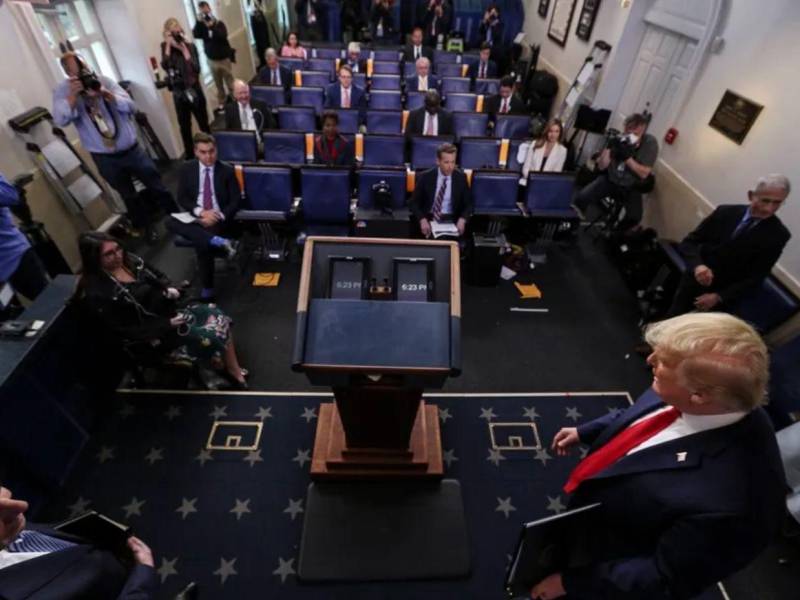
x=543 y=6
x=587 y=18
x=735 y=116
x=560 y=21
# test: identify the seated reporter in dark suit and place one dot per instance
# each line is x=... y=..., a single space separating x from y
x=441 y=194
x=733 y=249
x=354 y=60
x=430 y=119
x=331 y=148
x=345 y=94
x=485 y=68
x=273 y=73
x=208 y=190
x=505 y=101
x=39 y=562
x=422 y=81
x=247 y=113
x=415 y=50
x=690 y=479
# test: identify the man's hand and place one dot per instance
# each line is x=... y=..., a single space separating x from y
x=703 y=275
x=12 y=517
x=178 y=320
x=75 y=88
x=548 y=588
x=209 y=218
x=141 y=552
x=461 y=225
x=604 y=159
x=172 y=293
x=565 y=440
x=425 y=227
x=707 y=301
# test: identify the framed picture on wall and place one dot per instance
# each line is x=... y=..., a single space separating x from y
x=561 y=19
x=587 y=18
x=543 y=6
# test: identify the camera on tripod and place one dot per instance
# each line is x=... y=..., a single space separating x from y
x=622 y=145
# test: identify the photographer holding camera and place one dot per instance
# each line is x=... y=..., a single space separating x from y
x=437 y=19
x=218 y=51
x=179 y=59
x=102 y=113
x=628 y=161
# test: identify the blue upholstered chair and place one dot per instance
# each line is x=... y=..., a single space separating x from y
x=470 y=124
x=328 y=53
x=448 y=70
x=549 y=195
x=415 y=100
x=456 y=85
x=349 y=120
x=384 y=150
x=512 y=126
x=513 y=149
x=423 y=149
x=396 y=178
x=479 y=153
x=385 y=99
x=385 y=82
x=314 y=79
x=325 y=193
x=381 y=67
x=461 y=102
x=272 y=95
x=237 y=146
x=297 y=118
x=384 y=121
x=293 y=64
x=309 y=96
x=409 y=69
x=386 y=54
x=324 y=65
x=495 y=192
x=442 y=56
x=284 y=147
x=487 y=87
x=268 y=190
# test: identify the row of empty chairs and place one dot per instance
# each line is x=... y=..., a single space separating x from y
x=393 y=82
x=381 y=58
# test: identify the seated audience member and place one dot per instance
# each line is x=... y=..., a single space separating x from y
x=437 y=20
x=505 y=101
x=485 y=68
x=208 y=191
x=19 y=264
x=423 y=80
x=354 y=60
x=274 y=73
x=441 y=194
x=345 y=94
x=415 y=50
x=381 y=21
x=733 y=249
x=546 y=153
x=627 y=169
x=331 y=148
x=247 y=113
x=690 y=479
x=39 y=562
x=292 y=48
x=139 y=304
x=430 y=119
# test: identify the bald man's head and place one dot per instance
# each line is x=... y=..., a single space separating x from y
x=241 y=91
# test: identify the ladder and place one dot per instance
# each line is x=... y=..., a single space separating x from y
x=584 y=87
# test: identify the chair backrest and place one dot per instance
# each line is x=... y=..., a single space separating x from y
x=297 y=118
x=409 y=69
x=285 y=147
x=457 y=85
x=314 y=79
x=479 y=153
x=513 y=149
x=512 y=126
x=326 y=194
x=494 y=191
x=767 y=306
x=386 y=54
x=309 y=96
x=470 y=58
x=384 y=150
x=268 y=188
x=272 y=95
x=385 y=99
x=423 y=149
x=415 y=100
x=449 y=70
x=384 y=121
x=329 y=53
x=293 y=64
x=360 y=79
x=385 y=82
x=461 y=102
x=396 y=178
x=487 y=87
x=237 y=146
x=348 y=120
x=470 y=124
x=442 y=56
x=324 y=65
x=550 y=191
x=381 y=67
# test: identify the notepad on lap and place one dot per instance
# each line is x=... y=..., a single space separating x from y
x=443 y=229
x=183 y=217
x=99 y=530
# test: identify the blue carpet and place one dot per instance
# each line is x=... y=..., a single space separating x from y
x=231 y=520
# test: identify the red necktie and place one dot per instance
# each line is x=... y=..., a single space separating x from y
x=618 y=446
x=483 y=71
x=504 y=108
x=437 y=204
x=429 y=130
x=208 y=199
x=346 y=98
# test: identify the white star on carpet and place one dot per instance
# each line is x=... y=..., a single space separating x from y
x=172 y=412
x=555 y=505
x=134 y=507
x=187 y=507
x=264 y=412
x=309 y=414
x=253 y=457
x=444 y=414
x=295 y=507
x=284 y=569
x=495 y=457
x=488 y=414
x=80 y=507
x=167 y=568
x=449 y=457
x=504 y=506
x=219 y=411
x=126 y=411
x=303 y=456
x=154 y=455
x=106 y=453
x=572 y=413
x=204 y=456
x=225 y=569
x=530 y=413
x=543 y=456
x=241 y=508
x=584 y=450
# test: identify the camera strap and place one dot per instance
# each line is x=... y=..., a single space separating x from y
x=107 y=134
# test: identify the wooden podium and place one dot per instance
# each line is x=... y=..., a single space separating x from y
x=378 y=320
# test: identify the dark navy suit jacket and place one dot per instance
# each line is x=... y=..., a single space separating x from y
x=82 y=572
x=333 y=97
x=412 y=83
x=679 y=516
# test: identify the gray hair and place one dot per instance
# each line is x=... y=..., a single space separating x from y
x=270 y=53
x=354 y=47
x=774 y=181
x=423 y=61
x=432 y=96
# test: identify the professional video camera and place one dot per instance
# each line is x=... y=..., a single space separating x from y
x=622 y=145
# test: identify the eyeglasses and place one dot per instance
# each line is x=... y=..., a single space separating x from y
x=112 y=253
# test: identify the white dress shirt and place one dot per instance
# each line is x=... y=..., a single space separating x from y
x=417 y=52
x=8 y=559
x=246 y=117
x=428 y=117
x=422 y=83
x=447 y=202
x=202 y=178
x=341 y=96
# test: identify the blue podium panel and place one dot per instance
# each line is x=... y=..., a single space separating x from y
x=377 y=333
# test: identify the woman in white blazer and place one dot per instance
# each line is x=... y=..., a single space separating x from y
x=546 y=153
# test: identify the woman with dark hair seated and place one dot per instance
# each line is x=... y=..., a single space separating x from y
x=331 y=148
x=140 y=304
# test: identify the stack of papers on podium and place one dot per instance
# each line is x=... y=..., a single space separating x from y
x=444 y=229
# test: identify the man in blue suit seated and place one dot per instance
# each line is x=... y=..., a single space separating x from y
x=345 y=94
x=274 y=73
x=689 y=478
x=423 y=80
x=38 y=562
x=485 y=68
